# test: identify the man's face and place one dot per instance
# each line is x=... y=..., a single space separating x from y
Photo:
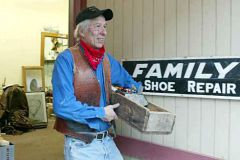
x=96 y=32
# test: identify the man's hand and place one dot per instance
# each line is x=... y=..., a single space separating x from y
x=109 y=112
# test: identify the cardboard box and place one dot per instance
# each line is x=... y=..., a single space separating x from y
x=149 y=119
x=7 y=152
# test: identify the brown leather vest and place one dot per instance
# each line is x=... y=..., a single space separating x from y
x=86 y=89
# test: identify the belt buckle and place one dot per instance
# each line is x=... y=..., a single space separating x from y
x=101 y=136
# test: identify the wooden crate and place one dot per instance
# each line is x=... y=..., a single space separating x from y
x=150 y=119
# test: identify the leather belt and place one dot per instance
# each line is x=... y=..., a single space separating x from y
x=79 y=131
x=88 y=137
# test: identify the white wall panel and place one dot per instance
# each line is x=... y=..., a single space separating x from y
x=158 y=28
x=207 y=112
x=235 y=25
x=181 y=125
x=170 y=28
x=147 y=29
x=222 y=127
x=223 y=27
x=127 y=29
x=118 y=29
x=182 y=28
x=234 y=140
x=209 y=27
x=181 y=129
x=93 y=3
x=194 y=125
x=195 y=50
x=234 y=143
x=195 y=28
x=137 y=28
x=208 y=126
x=109 y=45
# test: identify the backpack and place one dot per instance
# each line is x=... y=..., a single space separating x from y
x=14 y=111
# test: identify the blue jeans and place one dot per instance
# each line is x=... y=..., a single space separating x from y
x=105 y=149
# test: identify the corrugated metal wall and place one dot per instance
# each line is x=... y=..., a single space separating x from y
x=182 y=28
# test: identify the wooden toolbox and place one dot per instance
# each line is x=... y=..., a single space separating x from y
x=149 y=119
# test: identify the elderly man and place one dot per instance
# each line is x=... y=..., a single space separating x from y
x=82 y=80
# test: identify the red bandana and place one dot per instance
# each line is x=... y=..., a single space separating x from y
x=93 y=55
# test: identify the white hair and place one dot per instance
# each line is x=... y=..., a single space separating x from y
x=81 y=28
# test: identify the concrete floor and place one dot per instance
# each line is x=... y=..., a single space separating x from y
x=39 y=144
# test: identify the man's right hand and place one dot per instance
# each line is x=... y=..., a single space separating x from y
x=109 y=112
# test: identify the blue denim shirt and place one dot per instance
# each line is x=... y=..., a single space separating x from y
x=64 y=101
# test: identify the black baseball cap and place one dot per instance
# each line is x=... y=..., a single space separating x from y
x=93 y=12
